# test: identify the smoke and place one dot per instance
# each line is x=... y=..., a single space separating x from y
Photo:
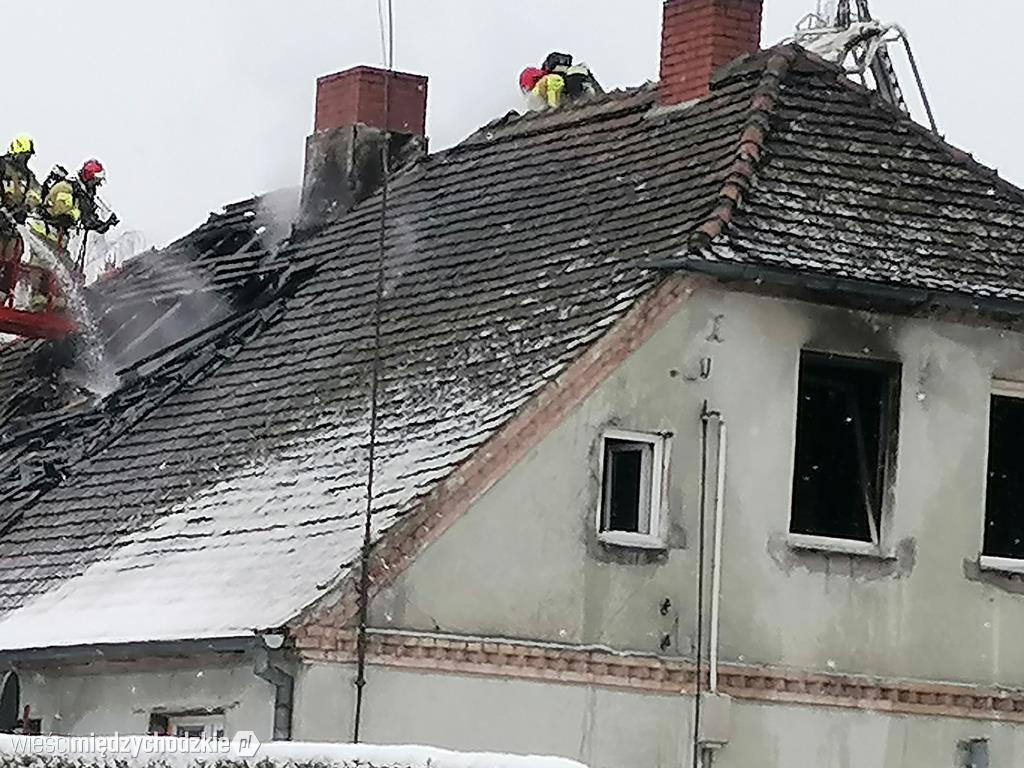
x=277 y=212
x=164 y=297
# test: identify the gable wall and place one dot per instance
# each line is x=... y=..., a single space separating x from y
x=523 y=561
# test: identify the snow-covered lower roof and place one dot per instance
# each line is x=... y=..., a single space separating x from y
x=127 y=751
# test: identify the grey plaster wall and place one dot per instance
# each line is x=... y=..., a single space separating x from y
x=324 y=702
x=523 y=562
x=80 y=702
x=611 y=728
x=616 y=729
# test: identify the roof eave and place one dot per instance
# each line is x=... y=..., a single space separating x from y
x=130 y=651
x=839 y=290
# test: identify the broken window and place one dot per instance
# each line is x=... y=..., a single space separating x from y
x=632 y=471
x=1004 y=508
x=845 y=446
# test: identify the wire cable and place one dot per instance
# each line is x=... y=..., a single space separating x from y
x=383 y=35
x=375 y=375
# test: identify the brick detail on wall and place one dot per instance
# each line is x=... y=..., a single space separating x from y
x=498 y=455
x=698 y=37
x=356 y=97
x=649 y=674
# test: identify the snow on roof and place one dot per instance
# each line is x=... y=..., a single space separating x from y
x=224 y=495
x=237 y=557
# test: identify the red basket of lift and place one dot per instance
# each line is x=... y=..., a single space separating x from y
x=47 y=321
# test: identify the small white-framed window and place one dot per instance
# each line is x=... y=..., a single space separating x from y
x=1003 y=539
x=633 y=474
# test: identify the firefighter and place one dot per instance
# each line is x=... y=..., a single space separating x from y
x=19 y=196
x=579 y=80
x=557 y=82
x=91 y=178
x=542 y=89
x=20 y=193
x=70 y=202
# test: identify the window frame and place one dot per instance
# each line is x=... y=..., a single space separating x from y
x=1015 y=390
x=889 y=431
x=658 y=477
x=211 y=724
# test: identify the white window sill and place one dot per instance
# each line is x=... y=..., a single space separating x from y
x=1000 y=564
x=839 y=546
x=630 y=540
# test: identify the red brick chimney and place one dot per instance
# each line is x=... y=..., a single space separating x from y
x=698 y=37
x=356 y=97
x=345 y=154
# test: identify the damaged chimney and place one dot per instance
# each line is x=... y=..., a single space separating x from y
x=344 y=156
x=698 y=37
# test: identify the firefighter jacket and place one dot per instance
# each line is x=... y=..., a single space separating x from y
x=19 y=190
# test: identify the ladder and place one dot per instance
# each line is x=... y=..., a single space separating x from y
x=886 y=80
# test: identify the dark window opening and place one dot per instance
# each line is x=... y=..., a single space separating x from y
x=627 y=486
x=159 y=725
x=1004 y=494
x=845 y=440
x=972 y=754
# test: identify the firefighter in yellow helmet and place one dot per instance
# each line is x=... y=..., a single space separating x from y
x=20 y=193
x=19 y=196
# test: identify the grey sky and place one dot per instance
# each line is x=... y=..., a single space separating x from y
x=195 y=103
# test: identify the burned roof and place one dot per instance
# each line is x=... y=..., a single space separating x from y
x=225 y=481
x=155 y=300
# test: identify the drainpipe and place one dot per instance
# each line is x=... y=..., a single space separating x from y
x=284 y=686
x=716 y=567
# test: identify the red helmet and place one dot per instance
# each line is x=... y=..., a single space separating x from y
x=530 y=77
x=92 y=172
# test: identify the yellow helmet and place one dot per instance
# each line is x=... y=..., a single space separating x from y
x=23 y=144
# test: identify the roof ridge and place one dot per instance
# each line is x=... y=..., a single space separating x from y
x=539 y=122
x=749 y=149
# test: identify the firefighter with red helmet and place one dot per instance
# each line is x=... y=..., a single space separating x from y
x=70 y=202
x=542 y=89
x=557 y=82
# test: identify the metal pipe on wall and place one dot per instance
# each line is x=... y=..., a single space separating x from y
x=716 y=565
